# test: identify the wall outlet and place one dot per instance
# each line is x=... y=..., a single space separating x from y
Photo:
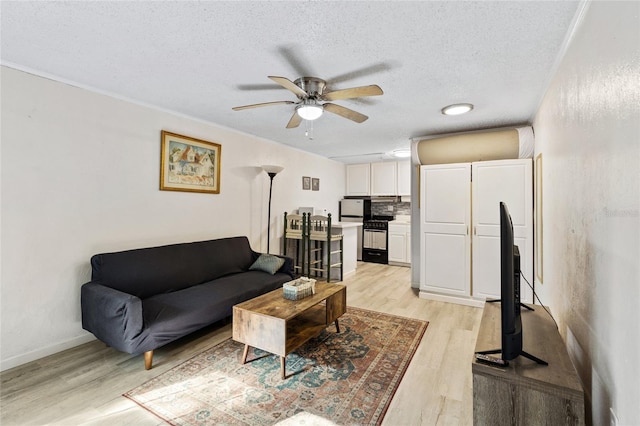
x=613 y=418
x=390 y=208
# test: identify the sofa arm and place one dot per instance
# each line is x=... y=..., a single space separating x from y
x=111 y=315
x=287 y=267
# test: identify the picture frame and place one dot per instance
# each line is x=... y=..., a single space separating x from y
x=188 y=164
x=315 y=184
x=306 y=183
x=538 y=216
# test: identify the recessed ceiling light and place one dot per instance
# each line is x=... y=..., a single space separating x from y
x=402 y=153
x=457 y=109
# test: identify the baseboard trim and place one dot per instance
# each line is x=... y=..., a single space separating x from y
x=451 y=299
x=37 y=354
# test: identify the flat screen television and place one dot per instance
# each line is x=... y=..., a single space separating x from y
x=509 y=288
x=510 y=291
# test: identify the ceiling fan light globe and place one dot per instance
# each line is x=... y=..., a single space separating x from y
x=309 y=112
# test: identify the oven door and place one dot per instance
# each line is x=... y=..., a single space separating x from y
x=374 y=239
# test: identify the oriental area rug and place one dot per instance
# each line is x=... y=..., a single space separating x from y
x=345 y=378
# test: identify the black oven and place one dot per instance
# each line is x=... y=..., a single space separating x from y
x=375 y=239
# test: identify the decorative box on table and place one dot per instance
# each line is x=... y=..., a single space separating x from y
x=299 y=288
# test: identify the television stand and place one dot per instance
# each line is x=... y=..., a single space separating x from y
x=523 y=393
x=522 y=353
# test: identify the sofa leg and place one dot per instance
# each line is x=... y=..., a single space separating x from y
x=148 y=360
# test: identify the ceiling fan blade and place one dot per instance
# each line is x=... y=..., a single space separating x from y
x=345 y=112
x=294 y=121
x=289 y=85
x=362 y=72
x=240 y=108
x=258 y=86
x=293 y=54
x=354 y=92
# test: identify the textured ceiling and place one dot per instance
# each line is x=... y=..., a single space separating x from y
x=203 y=58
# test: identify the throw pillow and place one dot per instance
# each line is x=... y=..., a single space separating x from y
x=267 y=263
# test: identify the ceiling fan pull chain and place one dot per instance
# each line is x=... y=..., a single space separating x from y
x=309 y=132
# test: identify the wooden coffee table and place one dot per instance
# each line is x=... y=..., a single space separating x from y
x=277 y=325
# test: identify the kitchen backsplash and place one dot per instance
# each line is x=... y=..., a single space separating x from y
x=390 y=208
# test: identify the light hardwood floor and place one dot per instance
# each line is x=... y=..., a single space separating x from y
x=84 y=385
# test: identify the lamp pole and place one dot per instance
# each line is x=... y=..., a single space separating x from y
x=272 y=171
x=271 y=176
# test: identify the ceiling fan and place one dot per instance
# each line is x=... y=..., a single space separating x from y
x=311 y=92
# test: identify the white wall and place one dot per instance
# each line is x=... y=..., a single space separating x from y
x=80 y=176
x=588 y=131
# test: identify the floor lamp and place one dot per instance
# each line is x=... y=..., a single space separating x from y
x=272 y=171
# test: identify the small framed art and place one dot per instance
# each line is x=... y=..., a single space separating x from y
x=315 y=184
x=306 y=183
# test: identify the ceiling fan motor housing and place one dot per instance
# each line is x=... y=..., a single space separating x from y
x=312 y=85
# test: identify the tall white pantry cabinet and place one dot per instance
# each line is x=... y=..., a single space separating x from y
x=460 y=227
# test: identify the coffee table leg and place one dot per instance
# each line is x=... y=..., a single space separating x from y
x=337 y=327
x=283 y=362
x=245 y=353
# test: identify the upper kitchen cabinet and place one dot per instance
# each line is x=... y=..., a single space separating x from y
x=379 y=179
x=404 y=178
x=358 y=179
x=384 y=178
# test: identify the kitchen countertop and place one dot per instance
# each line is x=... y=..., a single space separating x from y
x=401 y=220
x=344 y=225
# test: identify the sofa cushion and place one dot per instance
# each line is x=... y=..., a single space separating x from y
x=150 y=271
x=175 y=314
x=267 y=263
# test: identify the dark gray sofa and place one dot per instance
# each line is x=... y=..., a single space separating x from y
x=139 y=300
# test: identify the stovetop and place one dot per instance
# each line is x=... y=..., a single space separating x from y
x=380 y=218
x=378 y=222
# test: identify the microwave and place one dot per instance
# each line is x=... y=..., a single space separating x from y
x=307 y=210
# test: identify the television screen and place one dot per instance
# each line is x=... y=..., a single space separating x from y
x=509 y=293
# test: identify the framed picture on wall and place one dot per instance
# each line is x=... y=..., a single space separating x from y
x=306 y=183
x=315 y=184
x=538 y=213
x=189 y=164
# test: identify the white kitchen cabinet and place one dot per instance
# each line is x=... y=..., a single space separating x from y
x=494 y=181
x=399 y=243
x=404 y=178
x=358 y=179
x=384 y=178
x=379 y=179
x=460 y=228
x=445 y=244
